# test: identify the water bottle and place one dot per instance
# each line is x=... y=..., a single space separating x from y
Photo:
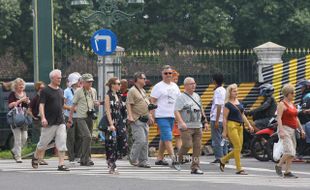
x=223 y=142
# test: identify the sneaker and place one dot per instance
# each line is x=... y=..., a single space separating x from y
x=133 y=163
x=197 y=171
x=289 y=175
x=63 y=168
x=161 y=163
x=176 y=165
x=278 y=170
x=144 y=166
x=216 y=161
x=89 y=163
x=19 y=161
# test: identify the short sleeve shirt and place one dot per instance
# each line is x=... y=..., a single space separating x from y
x=189 y=110
x=218 y=99
x=82 y=98
x=69 y=94
x=166 y=95
x=53 y=100
x=138 y=101
x=234 y=113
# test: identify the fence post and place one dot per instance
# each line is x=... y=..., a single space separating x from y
x=268 y=54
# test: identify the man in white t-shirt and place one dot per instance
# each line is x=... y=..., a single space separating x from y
x=216 y=116
x=164 y=95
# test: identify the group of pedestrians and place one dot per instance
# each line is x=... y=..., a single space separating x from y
x=67 y=118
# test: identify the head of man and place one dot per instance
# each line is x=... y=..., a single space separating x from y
x=87 y=80
x=218 y=79
x=189 y=85
x=139 y=78
x=55 y=77
x=166 y=73
x=124 y=86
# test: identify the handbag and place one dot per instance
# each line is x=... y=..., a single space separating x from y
x=17 y=117
x=104 y=123
x=203 y=118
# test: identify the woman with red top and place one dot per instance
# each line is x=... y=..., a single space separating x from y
x=287 y=124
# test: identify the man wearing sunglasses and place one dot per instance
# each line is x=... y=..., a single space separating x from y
x=84 y=102
x=164 y=95
x=139 y=117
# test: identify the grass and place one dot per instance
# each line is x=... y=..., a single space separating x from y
x=6 y=154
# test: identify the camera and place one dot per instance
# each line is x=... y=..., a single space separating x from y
x=92 y=114
x=144 y=118
x=152 y=107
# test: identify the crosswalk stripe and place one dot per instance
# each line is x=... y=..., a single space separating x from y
x=163 y=173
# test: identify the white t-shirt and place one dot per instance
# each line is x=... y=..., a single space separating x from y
x=166 y=95
x=218 y=99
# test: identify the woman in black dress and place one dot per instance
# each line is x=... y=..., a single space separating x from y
x=116 y=136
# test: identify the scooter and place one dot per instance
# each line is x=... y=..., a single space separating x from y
x=262 y=142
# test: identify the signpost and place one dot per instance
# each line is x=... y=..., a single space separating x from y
x=103 y=43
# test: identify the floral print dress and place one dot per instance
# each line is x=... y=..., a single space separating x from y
x=116 y=142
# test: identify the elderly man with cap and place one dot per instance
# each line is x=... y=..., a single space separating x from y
x=84 y=102
x=73 y=140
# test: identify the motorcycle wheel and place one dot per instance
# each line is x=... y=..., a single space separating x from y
x=259 y=148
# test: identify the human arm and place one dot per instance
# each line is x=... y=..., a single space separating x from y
x=225 y=116
x=262 y=107
x=180 y=121
x=42 y=114
x=108 y=112
x=280 y=110
x=13 y=102
x=301 y=130
x=248 y=123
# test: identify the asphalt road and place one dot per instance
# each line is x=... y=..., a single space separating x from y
x=261 y=176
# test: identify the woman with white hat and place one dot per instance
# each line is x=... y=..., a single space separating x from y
x=73 y=141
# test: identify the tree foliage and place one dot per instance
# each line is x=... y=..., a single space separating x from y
x=175 y=24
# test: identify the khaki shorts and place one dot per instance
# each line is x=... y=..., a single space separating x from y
x=289 y=141
x=57 y=132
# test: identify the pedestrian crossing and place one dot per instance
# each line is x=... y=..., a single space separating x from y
x=161 y=173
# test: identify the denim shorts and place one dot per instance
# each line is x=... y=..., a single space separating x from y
x=165 y=126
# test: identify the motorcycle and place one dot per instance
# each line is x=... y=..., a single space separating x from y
x=263 y=140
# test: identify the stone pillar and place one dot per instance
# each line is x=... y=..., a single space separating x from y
x=268 y=54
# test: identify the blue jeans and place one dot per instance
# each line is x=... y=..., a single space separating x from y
x=307 y=131
x=216 y=136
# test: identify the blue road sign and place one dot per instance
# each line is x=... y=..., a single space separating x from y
x=103 y=42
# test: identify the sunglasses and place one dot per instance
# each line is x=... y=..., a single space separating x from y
x=117 y=83
x=167 y=73
x=142 y=78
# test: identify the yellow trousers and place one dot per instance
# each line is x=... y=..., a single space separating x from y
x=235 y=135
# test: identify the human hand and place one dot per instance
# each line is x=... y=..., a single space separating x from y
x=44 y=122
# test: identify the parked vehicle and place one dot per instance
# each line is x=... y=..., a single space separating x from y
x=6 y=135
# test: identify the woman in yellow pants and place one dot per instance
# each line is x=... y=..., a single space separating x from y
x=233 y=119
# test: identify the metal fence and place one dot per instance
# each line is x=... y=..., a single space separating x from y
x=236 y=65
